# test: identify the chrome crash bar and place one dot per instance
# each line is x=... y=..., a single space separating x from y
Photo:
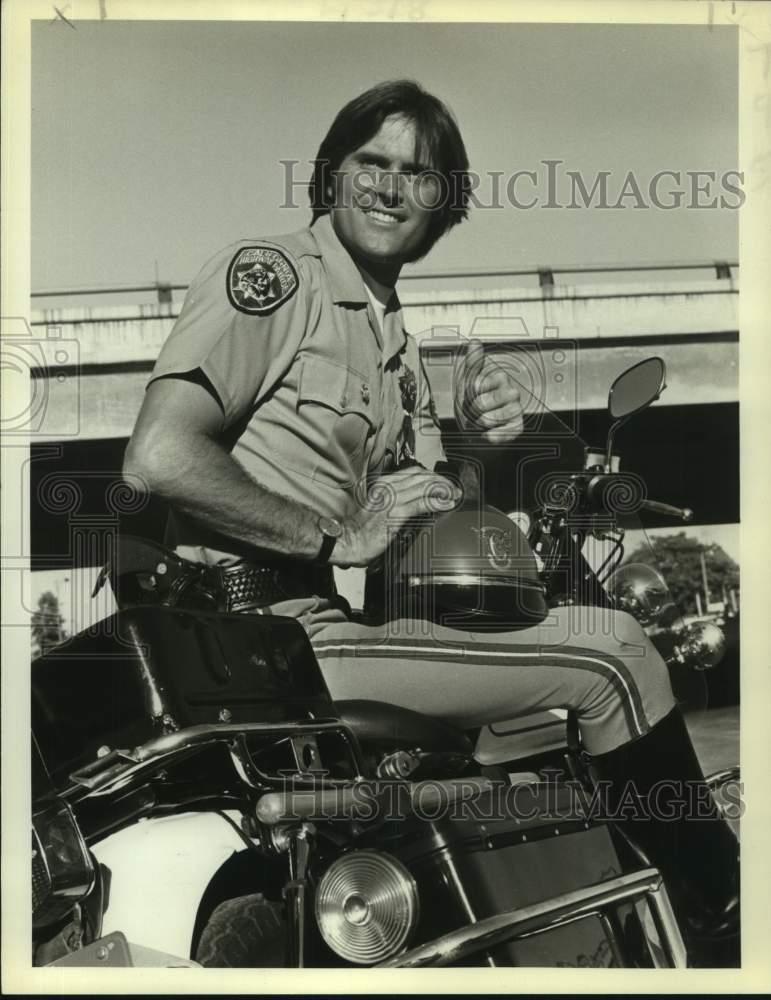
x=646 y=887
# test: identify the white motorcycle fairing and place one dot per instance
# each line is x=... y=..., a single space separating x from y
x=160 y=869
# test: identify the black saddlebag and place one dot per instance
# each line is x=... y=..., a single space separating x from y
x=511 y=847
x=147 y=671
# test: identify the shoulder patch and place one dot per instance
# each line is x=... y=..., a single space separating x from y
x=260 y=279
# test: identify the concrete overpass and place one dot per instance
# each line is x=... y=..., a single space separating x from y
x=571 y=341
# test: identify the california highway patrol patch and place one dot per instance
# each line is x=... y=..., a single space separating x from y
x=260 y=279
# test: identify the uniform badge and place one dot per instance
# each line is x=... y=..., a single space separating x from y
x=408 y=386
x=405 y=442
x=260 y=279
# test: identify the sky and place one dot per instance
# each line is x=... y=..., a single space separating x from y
x=162 y=141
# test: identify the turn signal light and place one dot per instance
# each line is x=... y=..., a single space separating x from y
x=367 y=907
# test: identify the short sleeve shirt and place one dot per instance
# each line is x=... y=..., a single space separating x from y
x=316 y=398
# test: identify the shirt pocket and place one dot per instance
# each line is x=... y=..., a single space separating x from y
x=335 y=405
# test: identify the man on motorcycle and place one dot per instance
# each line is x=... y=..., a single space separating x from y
x=272 y=421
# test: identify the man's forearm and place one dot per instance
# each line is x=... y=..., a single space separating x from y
x=202 y=480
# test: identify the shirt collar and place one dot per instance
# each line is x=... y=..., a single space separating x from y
x=348 y=285
x=394 y=334
x=344 y=278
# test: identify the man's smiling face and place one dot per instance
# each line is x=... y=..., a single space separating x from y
x=383 y=205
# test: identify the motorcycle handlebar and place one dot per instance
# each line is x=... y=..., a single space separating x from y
x=666 y=510
x=601 y=495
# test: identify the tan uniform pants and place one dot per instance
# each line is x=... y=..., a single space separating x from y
x=595 y=661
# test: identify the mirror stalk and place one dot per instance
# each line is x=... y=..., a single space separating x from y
x=609 y=447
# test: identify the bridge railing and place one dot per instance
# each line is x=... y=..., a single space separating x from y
x=544 y=276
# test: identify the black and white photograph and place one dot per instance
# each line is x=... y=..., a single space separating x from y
x=375 y=465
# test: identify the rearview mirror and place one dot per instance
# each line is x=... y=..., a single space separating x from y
x=636 y=388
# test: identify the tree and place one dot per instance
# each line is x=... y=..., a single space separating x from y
x=678 y=559
x=47 y=624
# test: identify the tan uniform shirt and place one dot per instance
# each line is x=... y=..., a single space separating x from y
x=314 y=395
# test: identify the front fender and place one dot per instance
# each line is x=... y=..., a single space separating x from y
x=160 y=869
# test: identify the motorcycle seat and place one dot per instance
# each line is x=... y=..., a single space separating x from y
x=395 y=728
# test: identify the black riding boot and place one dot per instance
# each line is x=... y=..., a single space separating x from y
x=655 y=790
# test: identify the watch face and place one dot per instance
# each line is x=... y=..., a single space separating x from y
x=330 y=526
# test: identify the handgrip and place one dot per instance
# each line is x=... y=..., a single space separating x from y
x=667 y=510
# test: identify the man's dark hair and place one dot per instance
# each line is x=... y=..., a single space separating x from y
x=439 y=145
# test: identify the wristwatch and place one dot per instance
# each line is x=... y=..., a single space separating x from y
x=331 y=529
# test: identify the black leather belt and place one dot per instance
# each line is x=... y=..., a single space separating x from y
x=143 y=572
x=250 y=585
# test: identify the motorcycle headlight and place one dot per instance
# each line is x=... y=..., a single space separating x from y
x=639 y=590
x=62 y=869
x=366 y=906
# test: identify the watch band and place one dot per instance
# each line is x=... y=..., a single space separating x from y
x=331 y=529
x=325 y=551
